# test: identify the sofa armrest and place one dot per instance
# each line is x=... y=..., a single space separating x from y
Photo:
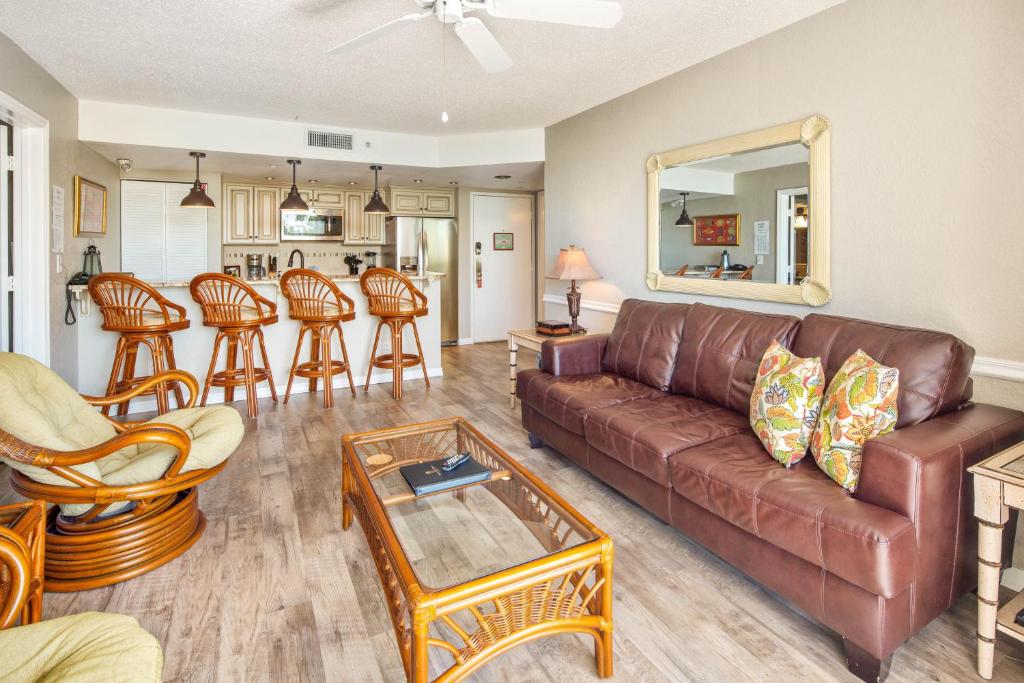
x=573 y=355
x=919 y=468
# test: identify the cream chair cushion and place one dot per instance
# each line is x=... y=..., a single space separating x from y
x=215 y=432
x=38 y=407
x=91 y=646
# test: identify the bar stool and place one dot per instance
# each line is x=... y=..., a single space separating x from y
x=321 y=307
x=394 y=299
x=142 y=316
x=239 y=314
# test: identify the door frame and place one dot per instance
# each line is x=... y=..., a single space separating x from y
x=32 y=228
x=470 y=270
x=784 y=231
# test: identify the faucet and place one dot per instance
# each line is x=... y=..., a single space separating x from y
x=302 y=258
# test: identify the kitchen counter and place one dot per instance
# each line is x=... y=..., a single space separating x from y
x=193 y=347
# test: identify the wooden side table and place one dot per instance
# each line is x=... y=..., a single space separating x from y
x=516 y=338
x=998 y=486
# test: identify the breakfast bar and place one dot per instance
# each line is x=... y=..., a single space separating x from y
x=193 y=346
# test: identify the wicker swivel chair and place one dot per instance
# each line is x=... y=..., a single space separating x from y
x=125 y=492
x=394 y=299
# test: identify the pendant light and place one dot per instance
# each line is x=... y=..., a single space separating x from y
x=376 y=203
x=684 y=220
x=294 y=201
x=198 y=197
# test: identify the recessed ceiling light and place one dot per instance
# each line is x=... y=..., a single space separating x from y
x=502 y=177
x=270 y=177
x=352 y=182
x=417 y=180
x=453 y=182
x=312 y=180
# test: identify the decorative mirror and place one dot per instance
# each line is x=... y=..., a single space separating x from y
x=744 y=217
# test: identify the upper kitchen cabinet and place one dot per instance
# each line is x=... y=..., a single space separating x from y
x=360 y=227
x=415 y=202
x=238 y=212
x=329 y=199
x=252 y=214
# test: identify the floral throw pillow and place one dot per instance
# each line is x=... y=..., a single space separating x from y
x=785 y=403
x=859 y=405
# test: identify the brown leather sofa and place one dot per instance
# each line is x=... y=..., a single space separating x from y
x=658 y=409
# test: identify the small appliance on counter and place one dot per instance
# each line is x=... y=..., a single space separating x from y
x=371 y=259
x=254 y=269
x=352 y=260
x=272 y=266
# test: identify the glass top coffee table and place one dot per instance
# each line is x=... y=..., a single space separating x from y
x=472 y=571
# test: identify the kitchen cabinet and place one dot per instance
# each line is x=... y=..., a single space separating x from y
x=329 y=199
x=360 y=227
x=409 y=202
x=237 y=214
x=266 y=215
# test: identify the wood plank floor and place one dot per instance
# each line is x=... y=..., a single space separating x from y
x=276 y=591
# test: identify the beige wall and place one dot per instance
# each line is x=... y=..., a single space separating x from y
x=27 y=82
x=925 y=98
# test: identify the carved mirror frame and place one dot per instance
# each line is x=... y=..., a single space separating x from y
x=813 y=290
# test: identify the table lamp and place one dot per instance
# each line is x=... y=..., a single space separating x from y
x=572 y=265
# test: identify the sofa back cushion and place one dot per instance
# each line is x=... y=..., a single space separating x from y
x=721 y=349
x=934 y=366
x=645 y=340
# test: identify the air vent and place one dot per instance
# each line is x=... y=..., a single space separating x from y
x=325 y=139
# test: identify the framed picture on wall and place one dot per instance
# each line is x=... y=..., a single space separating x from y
x=90 y=208
x=722 y=230
x=503 y=241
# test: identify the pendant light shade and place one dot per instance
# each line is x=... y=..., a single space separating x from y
x=376 y=203
x=684 y=219
x=294 y=201
x=197 y=197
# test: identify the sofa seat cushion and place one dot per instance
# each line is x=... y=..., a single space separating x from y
x=643 y=434
x=567 y=400
x=215 y=432
x=801 y=511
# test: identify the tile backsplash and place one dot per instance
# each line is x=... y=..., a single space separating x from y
x=326 y=258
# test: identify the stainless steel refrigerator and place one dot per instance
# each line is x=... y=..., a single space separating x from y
x=422 y=245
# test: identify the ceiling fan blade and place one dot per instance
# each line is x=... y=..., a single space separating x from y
x=381 y=30
x=593 y=13
x=481 y=42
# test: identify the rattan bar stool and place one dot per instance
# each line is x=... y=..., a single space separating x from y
x=239 y=314
x=321 y=307
x=394 y=299
x=142 y=317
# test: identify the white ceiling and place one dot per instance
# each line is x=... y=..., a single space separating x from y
x=267 y=58
x=525 y=176
x=755 y=160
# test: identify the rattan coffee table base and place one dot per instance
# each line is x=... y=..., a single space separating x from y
x=475 y=621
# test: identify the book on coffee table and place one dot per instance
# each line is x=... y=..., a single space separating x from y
x=428 y=477
x=553 y=328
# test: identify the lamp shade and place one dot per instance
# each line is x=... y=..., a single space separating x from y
x=197 y=197
x=376 y=203
x=294 y=201
x=572 y=264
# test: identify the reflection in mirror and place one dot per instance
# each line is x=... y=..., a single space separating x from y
x=736 y=217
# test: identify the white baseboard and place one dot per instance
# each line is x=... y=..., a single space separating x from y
x=999 y=368
x=299 y=386
x=1013 y=578
x=465 y=341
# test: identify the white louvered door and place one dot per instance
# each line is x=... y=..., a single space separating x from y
x=161 y=241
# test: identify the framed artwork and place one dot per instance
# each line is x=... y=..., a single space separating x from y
x=503 y=241
x=235 y=271
x=90 y=208
x=717 y=231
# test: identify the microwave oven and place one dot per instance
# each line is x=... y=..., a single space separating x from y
x=316 y=224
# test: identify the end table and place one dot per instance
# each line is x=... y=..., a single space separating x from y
x=998 y=486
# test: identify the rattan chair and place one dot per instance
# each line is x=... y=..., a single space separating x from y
x=321 y=307
x=142 y=317
x=21 y=563
x=125 y=493
x=394 y=299
x=239 y=314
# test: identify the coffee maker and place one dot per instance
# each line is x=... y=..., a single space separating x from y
x=254 y=269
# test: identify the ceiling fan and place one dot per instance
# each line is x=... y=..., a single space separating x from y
x=474 y=33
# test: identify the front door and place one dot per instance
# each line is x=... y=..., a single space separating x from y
x=502 y=265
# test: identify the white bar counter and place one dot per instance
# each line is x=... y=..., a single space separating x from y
x=193 y=347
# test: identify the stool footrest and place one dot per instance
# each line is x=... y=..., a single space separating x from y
x=236 y=377
x=315 y=369
x=409 y=360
